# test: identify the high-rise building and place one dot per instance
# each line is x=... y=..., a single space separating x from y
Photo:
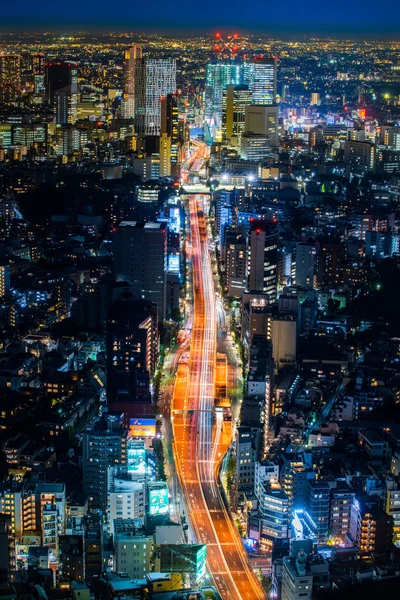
x=235 y=98
x=4 y=279
x=154 y=79
x=262 y=265
x=340 y=512
x=218 y=77
x=274 y=510
x=38 y=68
x=140 y=255
x=263 y=119
x=170 y=142
x=306 y=261
x=126 y=498
x=131 y=55
x=331 y=262
x=132 y=348
x=235 y=263
x=61 y=82
x=104 y=445
x=261 y=76
x=10 y=77
x=318 y=505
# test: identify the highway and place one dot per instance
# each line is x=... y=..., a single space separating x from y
x=198 y=441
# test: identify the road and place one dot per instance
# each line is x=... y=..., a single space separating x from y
x=198 y=441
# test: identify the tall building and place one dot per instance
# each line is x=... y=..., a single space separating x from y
x=263 y=119
x=218 y=77
x=261 y=77
x=131 y=55
x=274 y=510
x=10 y=77
x=133 y=550
x=318 y=506
x=359 y=157
x=61 y=83
x=104 y=445
x=38 y=68
x=306 y=262
x=4 y=279
x=331 y=262
x=126 y=498
x=262 y=265
x=154 y=79
x=235 y=263
x=235 y=98
x=170 y=142
x=140 y=255
x=340 y=512
x=132 y=349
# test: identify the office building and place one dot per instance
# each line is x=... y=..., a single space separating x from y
x=254 y=146
x=392 y=507
x=10 y=77
x=140 y=255
x=262 y=119
x=131 y=55
x=235 y=98
x=154 y=78
x=306 y=263
x=331 y=263
x=218 y=77
x=262 y=265
x=297 y=581
x=359 y=157
x=93 y=546
x=71 y=557
x=248 y=443
x=38 y=73
x=61 y=83
x=126 y=497
x=261 y=75
x=133 y=550
x=318 y=507
x=4 y=279
x=340 y=512
x=284 y=339
x=104 y=445
x=132 y=351
x=235 y=263
x=274 y=511
x=170 y=143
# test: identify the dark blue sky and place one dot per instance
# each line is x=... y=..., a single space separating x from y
x=372 y=17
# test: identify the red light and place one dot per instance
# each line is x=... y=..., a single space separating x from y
x=235 y=48
x=218 y=35
x=258 y=230
x=235 y=36
x=114 y=229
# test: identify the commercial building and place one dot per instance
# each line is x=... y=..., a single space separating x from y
x=140 y=255
x=261 y=76
x=318 y=507
x=154 y=79
x=235 y=98
x=340 y=512
x=274 y=511
x=61 y=83
x=170 y=143
x=306 y=262
x=218 y=77
x=263 y=120
x=10 y=77
x=131 y=55
x=126 y=498
x=104 y=445
x=297 y=580
x=262 y=266
x=235 y=263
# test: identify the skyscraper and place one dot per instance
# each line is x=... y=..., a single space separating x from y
x=140 y=254
x=169 y=143
x=262 y=266
x=38 y=73
x=218 y=77
x=260 y=75
x=234 y=101
x=61 y=82
x=154 y=79
x=10 y=77
x=306 y=263
x=131 y=55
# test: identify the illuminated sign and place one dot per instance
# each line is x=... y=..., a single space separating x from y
x=158 y=499
x=136 y=457
x=173 y=263
x=143 y=427
x=201 y=562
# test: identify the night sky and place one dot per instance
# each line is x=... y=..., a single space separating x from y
x=370 y=17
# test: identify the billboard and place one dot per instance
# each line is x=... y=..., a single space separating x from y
x=136 y=457
x=158 y=499
x=143 y=428
x=201 y=562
